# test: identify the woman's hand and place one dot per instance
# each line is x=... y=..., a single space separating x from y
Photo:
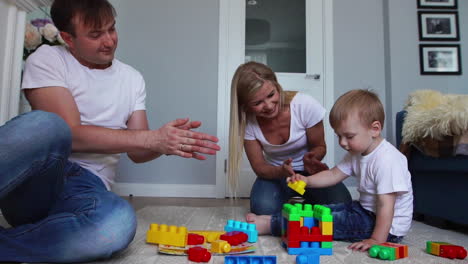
x=312 y=165
x=287 y=168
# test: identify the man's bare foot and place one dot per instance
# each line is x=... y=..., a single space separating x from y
x=262 y=222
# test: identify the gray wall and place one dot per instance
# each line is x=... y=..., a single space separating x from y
x=174 y=44
x=377 y=46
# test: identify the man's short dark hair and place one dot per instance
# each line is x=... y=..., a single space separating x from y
x=92 y=13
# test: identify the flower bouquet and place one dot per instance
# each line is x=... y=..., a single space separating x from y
x=40 y=31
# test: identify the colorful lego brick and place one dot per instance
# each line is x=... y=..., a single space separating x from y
x=210 y=236
x=389 y=251
x=326 y=244
x=323 y=213
x=297 y=211
x=326 y=227
x=198 y=254
x=309 y=222
x=249 y=229
x=307 y=251
x=195 y=239
x=220 y=246
x=250 y=259
x=446 y=250
x=234 y=238
x=167 y=235
x=306 y=235
x=298 y=186
x=308 y=259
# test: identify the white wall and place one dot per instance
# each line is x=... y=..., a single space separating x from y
x=174 y=44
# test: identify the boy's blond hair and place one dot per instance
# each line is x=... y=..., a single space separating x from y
x=366 y=103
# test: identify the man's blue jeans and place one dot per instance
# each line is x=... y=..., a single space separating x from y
x=268 y=196
x=59 y=212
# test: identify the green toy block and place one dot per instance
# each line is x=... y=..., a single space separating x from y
x=327 y=244
x=323 y=213
x=383 y=252
x=297 y=211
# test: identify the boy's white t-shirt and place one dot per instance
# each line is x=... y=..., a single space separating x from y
x=384 y=170
x=105 y=98
x=306 y=112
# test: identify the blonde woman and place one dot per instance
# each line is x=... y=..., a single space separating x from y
x=282 y=134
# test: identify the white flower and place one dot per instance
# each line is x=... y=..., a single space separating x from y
x=32 y=37
x=49 y=31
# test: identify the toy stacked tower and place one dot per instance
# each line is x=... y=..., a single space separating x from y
x=306 y=230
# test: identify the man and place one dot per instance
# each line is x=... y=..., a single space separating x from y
x=58 y=203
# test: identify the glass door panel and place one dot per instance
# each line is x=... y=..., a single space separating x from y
x=276 y=34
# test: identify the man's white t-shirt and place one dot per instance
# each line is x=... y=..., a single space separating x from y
x=306 y=112
x=384 y=170
x=105 y=98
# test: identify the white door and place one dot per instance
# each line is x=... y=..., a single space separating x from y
x=290 y=37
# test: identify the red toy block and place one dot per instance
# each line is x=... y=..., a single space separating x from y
x=452 y=251
x=199 y=254
x=446 y=250
x=234 y=238
x=195 y=239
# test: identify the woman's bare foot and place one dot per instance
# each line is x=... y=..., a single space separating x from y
x=262 y=222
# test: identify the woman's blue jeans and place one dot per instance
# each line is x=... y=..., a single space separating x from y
x=268 y=196
x=59 y=212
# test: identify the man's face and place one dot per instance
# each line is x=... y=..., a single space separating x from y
x=93 y=47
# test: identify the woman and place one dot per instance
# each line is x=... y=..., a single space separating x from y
x=282 y=133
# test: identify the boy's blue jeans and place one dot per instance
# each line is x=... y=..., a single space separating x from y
x=268 y=196
x=353 y=223
x=59 y=212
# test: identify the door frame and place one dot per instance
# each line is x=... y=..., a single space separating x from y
x=231 y=55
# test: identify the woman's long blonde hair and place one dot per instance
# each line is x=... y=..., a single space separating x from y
x=248 y=79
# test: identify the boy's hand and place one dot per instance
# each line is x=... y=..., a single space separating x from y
x=363 y=245
x=296 y=177
x=312 y=165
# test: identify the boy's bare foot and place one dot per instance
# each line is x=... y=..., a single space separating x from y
x=262 y=222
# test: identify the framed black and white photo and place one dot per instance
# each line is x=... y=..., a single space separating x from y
x=439 y=4
x=438 y=26
x=440 y=59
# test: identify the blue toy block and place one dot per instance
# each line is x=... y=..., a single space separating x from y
x=309 y=222
x=249 y=229
x=308 y=251
x=308 y=259
x=250 y=259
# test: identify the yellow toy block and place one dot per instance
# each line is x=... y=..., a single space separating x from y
x=220 y=246
x=167 y=235
x=326 y=227
x=210 y=236
x=298 y=186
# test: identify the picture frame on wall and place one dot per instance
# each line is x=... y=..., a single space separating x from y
x=440 y=59
x=438 y=25
x=438 y=4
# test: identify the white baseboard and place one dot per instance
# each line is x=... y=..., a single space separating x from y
x=165 y=190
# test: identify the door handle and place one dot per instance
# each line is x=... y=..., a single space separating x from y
x=313 y=76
